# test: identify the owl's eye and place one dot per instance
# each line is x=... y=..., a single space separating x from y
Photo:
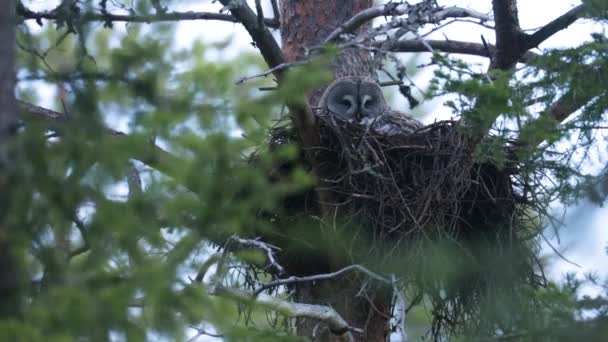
x=368 y=102
x=347 y=101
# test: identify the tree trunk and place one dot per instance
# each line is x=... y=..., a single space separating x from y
x=9 y=280
x=305 y=24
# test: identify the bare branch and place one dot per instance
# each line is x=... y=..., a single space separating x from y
x=27 y=14
x=267 y=248
x=398 y=9
x=275 y=10
x=317 y=277
x=279 y=67
x=322 y=313
x=555 y=26
x=450 y=46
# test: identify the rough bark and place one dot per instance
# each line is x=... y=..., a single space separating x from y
x=306 y=24
x=9 y=280
x=510 y=40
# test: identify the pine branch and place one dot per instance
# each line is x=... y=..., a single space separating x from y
x=554 y=26
x=151 y=155
x=27 y=14
x=451 y=46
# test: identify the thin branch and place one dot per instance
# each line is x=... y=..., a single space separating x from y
x=151 y=154
x=273 y=70
x=202 y=332
x=83 y=233
x=260 y=12
x=267 y=248
x=27 y=14
x=325 y=276
x=450 y=46
x=275 y=10
x=555 y=26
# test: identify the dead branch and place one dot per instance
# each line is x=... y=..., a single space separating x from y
x=450 y=46
x=273 y=70
x=28 y=14
x=325 y=314
x=317 y=277
x=398 y=9
x=268 y=249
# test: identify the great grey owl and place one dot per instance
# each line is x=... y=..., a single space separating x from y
x=359 y=100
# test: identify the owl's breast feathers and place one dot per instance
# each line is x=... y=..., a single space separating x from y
x=394 y=123
x=388 y=123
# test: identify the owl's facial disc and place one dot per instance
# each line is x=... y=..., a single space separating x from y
x=372 y=101
x=342 y=99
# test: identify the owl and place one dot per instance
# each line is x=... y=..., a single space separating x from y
x=360 y=100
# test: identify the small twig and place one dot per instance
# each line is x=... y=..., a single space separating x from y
x=381 y=84
x=83 y=233
x=202 y=332
x=325 y=276
x=558 y=252
x=268 y=249
x=27 y=14
x=279 y=67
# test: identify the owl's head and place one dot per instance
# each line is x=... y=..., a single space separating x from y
x=353 y=98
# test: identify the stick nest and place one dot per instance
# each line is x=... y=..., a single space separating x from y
x=410 y=186
x=427 y=186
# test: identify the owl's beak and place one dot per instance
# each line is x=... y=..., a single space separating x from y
x=358 y=114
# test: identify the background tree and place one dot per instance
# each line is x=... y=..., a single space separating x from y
x=174 y=225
